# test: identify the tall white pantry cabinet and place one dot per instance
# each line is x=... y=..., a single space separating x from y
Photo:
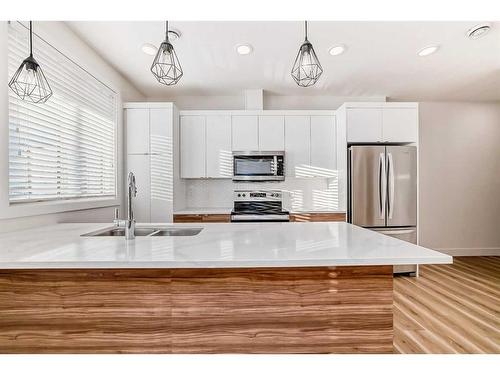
x=149 y=155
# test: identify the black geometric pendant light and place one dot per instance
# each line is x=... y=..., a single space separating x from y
x=166 y=67
x=29 y=82
x=306 y=68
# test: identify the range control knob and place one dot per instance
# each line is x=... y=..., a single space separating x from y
x=239 y=195
x=244 y=195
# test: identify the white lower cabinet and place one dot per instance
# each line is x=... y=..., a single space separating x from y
x=154 y=201
x=297 y=146
x=161 y=188
x=271 y=133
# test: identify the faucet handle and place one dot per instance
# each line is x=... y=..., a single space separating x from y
x=117 y=213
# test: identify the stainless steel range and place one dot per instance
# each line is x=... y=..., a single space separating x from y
x=258 y=205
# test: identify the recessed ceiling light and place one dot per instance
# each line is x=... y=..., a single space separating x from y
x=429 y=50
x=149 y=49
x=478 y=31
x=244 y=49
x=337 y=50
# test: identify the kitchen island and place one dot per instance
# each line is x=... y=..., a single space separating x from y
x=232 y=288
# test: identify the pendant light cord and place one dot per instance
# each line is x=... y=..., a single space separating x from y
x=306 y=28
x=31 y=39
x=166 y=31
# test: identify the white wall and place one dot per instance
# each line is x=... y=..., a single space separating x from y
x=460 y=177
x=61 y=37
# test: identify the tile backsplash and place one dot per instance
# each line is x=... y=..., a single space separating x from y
x=300 y=194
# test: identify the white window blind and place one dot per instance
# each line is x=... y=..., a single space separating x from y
x=64 y=148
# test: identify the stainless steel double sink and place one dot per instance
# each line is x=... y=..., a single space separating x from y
x=145 y=232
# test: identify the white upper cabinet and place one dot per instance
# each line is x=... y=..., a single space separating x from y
x=245 y=133
x=209 y=138
x=323 y=146
x=271 y=133
x=192 y=146
x=385 y=122
x=219 y=157
x=364 y=124
x=137 y=131
x=160 y=128
x=297 y=146
x=400 y=124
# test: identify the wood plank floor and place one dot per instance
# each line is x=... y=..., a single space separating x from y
x=450 y=308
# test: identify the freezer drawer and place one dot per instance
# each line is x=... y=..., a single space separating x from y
x=404 y=234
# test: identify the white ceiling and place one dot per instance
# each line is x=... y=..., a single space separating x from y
x=381 y=59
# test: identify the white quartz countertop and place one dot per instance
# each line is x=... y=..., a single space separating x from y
x=217 y=246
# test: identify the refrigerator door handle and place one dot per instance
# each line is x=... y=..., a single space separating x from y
x=390 y=167
x=382 y=185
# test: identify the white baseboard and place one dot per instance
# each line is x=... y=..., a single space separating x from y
x=470 y=251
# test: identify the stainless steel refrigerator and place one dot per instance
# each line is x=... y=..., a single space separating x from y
x=382 y=193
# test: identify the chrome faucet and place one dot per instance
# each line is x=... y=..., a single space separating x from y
x=128 y=224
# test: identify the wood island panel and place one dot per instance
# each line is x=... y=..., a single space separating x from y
x=283 y=310
x=238 y=310
x=85 y=311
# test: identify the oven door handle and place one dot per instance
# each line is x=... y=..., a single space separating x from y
x=272 y=217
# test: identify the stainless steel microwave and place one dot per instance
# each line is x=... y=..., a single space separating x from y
x=258 y=165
